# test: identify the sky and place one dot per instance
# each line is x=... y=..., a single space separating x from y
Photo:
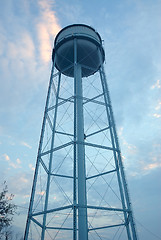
x=131 y=30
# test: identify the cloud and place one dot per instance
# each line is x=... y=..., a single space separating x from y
x=41 y=193
x=21 y=48
x=47 y=28
x=18 y=161
x=23 y=179
x=156 y=85
x=31 y=167
x=24 y=48
x=158 y=106
x=156 y=115
x=130 y=148
x=152 y=166
x=26 y=145
x=7 y=158
x=26 y=196
x=20 y=184
x=15 y=165
x=147 y=157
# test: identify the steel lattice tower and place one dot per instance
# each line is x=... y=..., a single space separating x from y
x=79 y=189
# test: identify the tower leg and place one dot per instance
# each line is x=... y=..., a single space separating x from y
x=38 y=159
x=118 y=161
x=50 y=164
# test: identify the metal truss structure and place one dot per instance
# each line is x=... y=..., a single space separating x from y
x=79 y=189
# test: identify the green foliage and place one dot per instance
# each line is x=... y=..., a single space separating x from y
x=7 y=209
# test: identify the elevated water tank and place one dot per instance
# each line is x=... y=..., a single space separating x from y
x=89 y=50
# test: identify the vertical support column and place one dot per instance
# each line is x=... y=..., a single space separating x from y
x=118 y=161
x=111 y=123
x=38 y=160
x=50 y=163
x=82 y=199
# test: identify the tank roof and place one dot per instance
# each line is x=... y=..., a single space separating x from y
x=76 y=25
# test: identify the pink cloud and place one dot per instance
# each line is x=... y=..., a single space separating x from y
x=156 y=115
x=158 y=106
x=41 y=193
x=26 y=145
x=156 y=85
x=152 y=166
x=14 y=165
x=47 y=28
x=31 y=167
x=23 y=179
x=18 y=161
x=7 y=158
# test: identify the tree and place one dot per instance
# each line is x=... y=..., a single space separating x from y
x=10 y=234
x=7 y=209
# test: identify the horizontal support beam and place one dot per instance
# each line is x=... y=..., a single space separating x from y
x=56 y=148
x=52 y=210
x=60 y=103
x=101 y=130
x=72 y=142
x=63 y=133
x=59 y=228
x=106 y=208
x=70 y=99
x=98 y=146
x=93 y=100
x=98 y=175
x=59 y=175
x=110 y=226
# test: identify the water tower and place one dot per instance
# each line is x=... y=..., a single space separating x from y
x=79 y=189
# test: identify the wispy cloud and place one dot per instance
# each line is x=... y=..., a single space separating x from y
x=7 y=158
x=156 y=115
x=12 y=164
x=16 y=164
x=41 y=193
x=18 y=161
x=26 y=196
x=31 y=167
x=158 y=106
x=26 y=145
x=130 y=148
x=20 y=184
x=152 y=166
x=23 y=179
x=156 y=85
x=22 y=48
x=22 y=53
x=47 y=28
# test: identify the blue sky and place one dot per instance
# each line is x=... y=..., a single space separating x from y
x=131 y=31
